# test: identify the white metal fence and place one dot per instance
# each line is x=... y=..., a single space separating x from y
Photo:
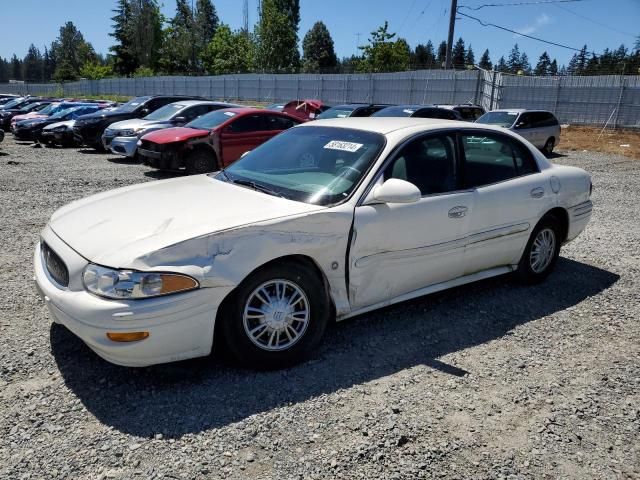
x=578 y=100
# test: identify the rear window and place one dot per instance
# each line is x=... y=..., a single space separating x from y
x=399 y=111
x=502 y=119
x=470 y=114
x=211 y=119
x=336 y=112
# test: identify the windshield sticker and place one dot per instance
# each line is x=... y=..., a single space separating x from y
x=512 y=113
x=343 y=146
x=229 y=114
x=410 y=112
x=342 y=115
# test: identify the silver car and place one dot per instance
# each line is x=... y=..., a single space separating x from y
x=540 y=127
x=122 y=137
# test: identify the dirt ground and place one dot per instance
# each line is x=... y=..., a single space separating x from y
x=619 y=142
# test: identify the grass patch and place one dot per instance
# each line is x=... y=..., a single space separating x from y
x=620 y=142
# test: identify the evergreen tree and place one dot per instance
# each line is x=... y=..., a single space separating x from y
x=581 y=61
x=350 y=64
x=71 y=52
x=525 y=66
x=124 y=61
x=502 y=65
x=442 y=54
x=553 y=68
x=179 y=50
x=424 y=56
x=572 y=68
x=318 y=52
x=469 y=58
x=145 y=32
x=4 y=70
x=32 y=65
x=383 y=54
x=206 y=24
x=277 y=36
x=49 y=64
x=228 y=52
x=543 y=66
x=458 y=54
x=514 y=63
x=16 y=68
x=485 y=61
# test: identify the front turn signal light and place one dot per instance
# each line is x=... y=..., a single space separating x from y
x=127 y=336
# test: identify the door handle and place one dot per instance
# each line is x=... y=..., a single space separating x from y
x=537 y=192
x=458 y=212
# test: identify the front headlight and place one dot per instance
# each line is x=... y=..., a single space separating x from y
x=61 y=128
x=130 y=132
x=130 y=284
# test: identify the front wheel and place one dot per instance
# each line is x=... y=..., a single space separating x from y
x=542 y=251
x=548 y=146
x=200 y=161
x=276 y=317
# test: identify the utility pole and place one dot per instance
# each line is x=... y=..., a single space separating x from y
x=452 y=26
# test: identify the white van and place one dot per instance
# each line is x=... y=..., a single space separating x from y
x=540 y=127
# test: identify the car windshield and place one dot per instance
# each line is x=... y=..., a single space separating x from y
x=49 y=109
x=132 y=104
x=337 y=112
x=211 y=119
x=503 y=119
x=12 y=103
x=29 y=108
x=63 y=113
x=165 y=113
x=315 y=164
x=399 y=111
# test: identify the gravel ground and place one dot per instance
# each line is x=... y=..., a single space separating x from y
x=491 y=380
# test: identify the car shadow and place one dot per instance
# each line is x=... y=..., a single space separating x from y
x=124 y=160
x=196 y=395
x=92 y=151
x=556 y=155
x=163 y=174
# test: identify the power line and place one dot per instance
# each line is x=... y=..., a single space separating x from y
x=407 y=16
x=487 y=24
x=533 y=2
x=595 y=21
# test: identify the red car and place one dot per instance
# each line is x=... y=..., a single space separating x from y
x=304 y=109
x=212 y=141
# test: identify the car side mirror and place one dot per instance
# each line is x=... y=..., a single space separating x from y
x=180 y=120
x=394 y=190
x=519 y=125
x=145 y=111
x=245 y=154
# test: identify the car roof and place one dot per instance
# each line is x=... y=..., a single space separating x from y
x=386 y=125
x=450 y=106
x=191 y=103
x=519 y=110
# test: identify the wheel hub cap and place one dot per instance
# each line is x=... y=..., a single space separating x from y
x=542 y=250
x=276 y=315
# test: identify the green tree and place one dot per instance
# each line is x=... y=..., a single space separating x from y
x=179 y=49
x=206 y=23
x=277 y=36
x=124 y=61
x=543 y=66
x=4 y=70
x=32 y=65
x=95 y=71
x=442 y=54
x=350 y=64
x=318 y=52
x=553 y=68
x=71 y=52
x=383 y=54
x=16 y=68
x=142 y=72
x=424 y=56
x=228 y=52
x=525 y=66
x=145 y=31
x=514 y=63
x=502 y=65
x=485 y=61
x=458 y=54
x=469 y=57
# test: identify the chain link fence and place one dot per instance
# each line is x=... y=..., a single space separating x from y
x=612 y=100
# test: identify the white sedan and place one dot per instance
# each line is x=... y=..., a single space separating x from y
x=327 y=220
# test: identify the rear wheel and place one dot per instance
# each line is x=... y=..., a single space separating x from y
x=276 y=317
x=548 y=146
x=200 y=161
x=541 y=253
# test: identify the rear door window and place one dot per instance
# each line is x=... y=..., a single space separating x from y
x=276 y=122
x=246 y=124
x=491 y=158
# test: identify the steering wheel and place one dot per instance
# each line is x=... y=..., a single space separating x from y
x=349 y=171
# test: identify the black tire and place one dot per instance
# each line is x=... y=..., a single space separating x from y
x=201 y=161
x=527 y=273
x=235 y=333
x=548 y=146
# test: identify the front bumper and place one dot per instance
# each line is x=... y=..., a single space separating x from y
x=126 y=146
x=180 y=326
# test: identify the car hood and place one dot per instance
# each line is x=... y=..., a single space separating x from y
x=113 y=115
x=27 y=116
x=66 y=123
x=139 y=122
x=176 y=134
x=117 y=227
